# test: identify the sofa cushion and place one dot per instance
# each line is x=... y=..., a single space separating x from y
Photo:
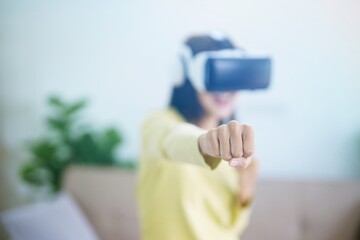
x=283 y=209
x=107 y=196
x=332 y=210
x=276 y=212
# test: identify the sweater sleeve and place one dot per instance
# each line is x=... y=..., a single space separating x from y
x=167 y=137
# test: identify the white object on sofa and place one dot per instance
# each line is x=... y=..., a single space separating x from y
x=59 y=219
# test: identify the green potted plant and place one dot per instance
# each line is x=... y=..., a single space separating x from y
x=68 y=141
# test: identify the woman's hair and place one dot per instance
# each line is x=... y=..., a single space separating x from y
x=184 y=98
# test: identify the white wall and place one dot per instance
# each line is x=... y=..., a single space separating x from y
x=118 y=53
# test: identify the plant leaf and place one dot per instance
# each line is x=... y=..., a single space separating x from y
x=76 y=107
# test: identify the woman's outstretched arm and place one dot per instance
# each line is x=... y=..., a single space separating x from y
x=165 y=136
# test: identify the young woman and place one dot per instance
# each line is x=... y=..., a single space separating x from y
x=197 y=170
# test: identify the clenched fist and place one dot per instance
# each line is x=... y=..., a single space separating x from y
x=233 y=142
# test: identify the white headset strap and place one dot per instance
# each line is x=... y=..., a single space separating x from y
x=193 y=67
x=180 y=67
x=196 y=71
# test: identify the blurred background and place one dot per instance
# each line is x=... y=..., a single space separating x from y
x=119 y=55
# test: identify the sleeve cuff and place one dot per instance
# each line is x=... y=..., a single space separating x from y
x=182 y=144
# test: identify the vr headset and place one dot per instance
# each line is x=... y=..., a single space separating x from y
x=225 y=70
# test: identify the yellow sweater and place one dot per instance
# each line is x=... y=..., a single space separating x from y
x=181 y=197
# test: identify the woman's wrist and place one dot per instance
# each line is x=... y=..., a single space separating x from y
x=247 y=178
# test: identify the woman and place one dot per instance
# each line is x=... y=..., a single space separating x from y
x=197 y=172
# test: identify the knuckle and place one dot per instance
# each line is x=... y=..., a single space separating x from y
x=233 y=123
x=247 y=127
x=234 y=126
x=212 y=134
x=221 y=127
x=222 y=130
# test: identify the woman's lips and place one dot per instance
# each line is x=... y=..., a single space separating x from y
x=221 y=100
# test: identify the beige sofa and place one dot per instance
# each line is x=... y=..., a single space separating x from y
x=283 y=210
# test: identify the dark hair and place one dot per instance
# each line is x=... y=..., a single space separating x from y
x=184 y=98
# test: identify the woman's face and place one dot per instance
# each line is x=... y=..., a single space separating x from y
x=218 y=104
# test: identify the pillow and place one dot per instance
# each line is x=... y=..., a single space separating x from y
x=60 y=219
